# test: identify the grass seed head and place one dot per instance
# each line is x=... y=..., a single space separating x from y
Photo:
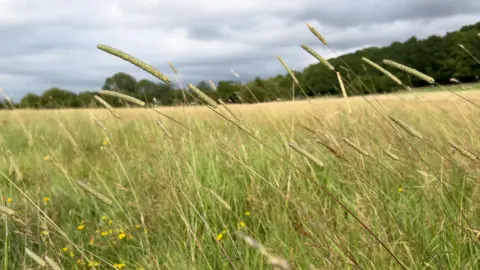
x=391 y=155
x=409 y=70
x=35 y=257
x=6 y=210
x=316 y=34
x=306 y=154
x=220 y=101
x=220 y=199
x=344 y=92
x=356 y=147
x=122 y=96
x=173 y=68
x=134 y=61
x=160 y=124
x=464 y=152
x=406 y=127
x=318 y=57
x=106 y=105
x=203 y=96
x=274 y=261
x=290 y=72
x=52 y=263
x=454 y=80
x=382 y=70
x=93 y=192
x=212 y=85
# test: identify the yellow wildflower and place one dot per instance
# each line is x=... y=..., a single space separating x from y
x=46 y=199
x=92 y=241
x=9 y=200
x=104 y=218
x=106 y=141
x=119 y=265
x=110 y=222
x=79 y=262
x=241 y=224
x=65 y=249
x=138 y=226
x=247 y=213
x=104 y=233
x=220 y=235
x=80 y=227
x=46 y=158
x=400 y=189
x=93 y=263
x=71 y=254
x=44 y=232
x=121 y=236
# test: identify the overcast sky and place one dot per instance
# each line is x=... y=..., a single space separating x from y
x=53 y=42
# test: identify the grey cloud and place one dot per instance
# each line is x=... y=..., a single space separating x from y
x=386 y=33
x=352 y=12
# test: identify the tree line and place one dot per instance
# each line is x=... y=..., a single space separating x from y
x=441 y=57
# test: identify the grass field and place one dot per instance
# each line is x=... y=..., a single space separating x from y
x=370 y=193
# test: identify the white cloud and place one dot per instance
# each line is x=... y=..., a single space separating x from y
x=53 y=43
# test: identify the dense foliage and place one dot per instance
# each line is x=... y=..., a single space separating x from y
x=439 y=57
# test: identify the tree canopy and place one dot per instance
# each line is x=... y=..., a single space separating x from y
x=440 y=57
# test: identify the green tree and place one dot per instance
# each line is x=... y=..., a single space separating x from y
x=228 y=91
x=120 y=82
x=86 y=99
x=31 y=100
x=59 y=98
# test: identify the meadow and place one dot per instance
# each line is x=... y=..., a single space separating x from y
x=365 y=182
x=298 y=184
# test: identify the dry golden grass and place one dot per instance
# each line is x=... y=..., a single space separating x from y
x=192 y=188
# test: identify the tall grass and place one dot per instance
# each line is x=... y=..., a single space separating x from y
x=303 y=185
